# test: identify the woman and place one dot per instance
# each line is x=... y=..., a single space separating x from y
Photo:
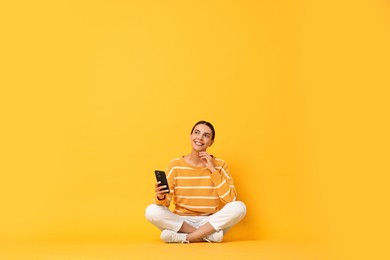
x=202 y=191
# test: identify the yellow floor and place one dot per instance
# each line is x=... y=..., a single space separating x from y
x=256 y=249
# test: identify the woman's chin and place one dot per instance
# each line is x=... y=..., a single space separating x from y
x=199 y=149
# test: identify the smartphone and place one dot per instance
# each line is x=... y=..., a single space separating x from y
x=160 y=176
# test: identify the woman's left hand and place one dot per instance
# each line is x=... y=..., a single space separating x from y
x=207 y=161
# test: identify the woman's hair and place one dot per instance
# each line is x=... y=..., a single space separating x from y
x=208 y=124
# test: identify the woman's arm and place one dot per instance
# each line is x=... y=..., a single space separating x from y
x=220 y=176
x=224 y=183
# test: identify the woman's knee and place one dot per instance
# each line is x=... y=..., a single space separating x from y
x=239 y=208
x=151 y=212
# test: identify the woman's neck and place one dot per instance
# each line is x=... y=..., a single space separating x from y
x=193 y=158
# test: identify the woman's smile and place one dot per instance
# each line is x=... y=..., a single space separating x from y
x=199 y=143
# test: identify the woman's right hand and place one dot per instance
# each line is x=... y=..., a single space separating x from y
x=160 y=190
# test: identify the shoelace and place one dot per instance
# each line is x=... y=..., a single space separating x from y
x=205 y=239
x=178 y=238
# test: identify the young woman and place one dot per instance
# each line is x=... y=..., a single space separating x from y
x=202 y=192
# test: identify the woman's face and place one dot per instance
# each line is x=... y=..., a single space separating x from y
x=201 y=138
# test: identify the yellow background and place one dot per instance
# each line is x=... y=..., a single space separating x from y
x=95 y=95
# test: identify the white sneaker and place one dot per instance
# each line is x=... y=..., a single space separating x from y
x=170 y=236
x=215 y=237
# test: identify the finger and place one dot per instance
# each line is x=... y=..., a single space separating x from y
x=159 y=188
x=205 y=154
x=205 y=159
x=162 y=192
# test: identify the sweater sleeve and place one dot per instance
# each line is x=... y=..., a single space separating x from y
x=167 y=199
x=224 y=183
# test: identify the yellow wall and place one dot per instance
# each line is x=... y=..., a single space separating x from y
x=95 y=95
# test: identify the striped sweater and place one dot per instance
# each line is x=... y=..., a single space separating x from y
x=195 y=191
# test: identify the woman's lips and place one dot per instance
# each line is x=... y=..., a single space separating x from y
x=198 y=143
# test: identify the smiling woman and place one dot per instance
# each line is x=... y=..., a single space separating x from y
x=202 y=190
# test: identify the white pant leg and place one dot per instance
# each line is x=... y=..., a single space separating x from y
x=227 y=217
x=163 y=218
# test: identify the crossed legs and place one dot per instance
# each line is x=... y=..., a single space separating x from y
x=202 y=227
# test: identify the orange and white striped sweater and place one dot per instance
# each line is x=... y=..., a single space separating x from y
x=195 y=191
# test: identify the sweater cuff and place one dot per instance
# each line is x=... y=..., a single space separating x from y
x=162 y=198
x=160 y=202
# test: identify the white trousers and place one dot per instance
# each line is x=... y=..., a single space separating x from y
x=224 y=219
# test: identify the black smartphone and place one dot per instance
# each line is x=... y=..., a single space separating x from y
x=160 y=176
